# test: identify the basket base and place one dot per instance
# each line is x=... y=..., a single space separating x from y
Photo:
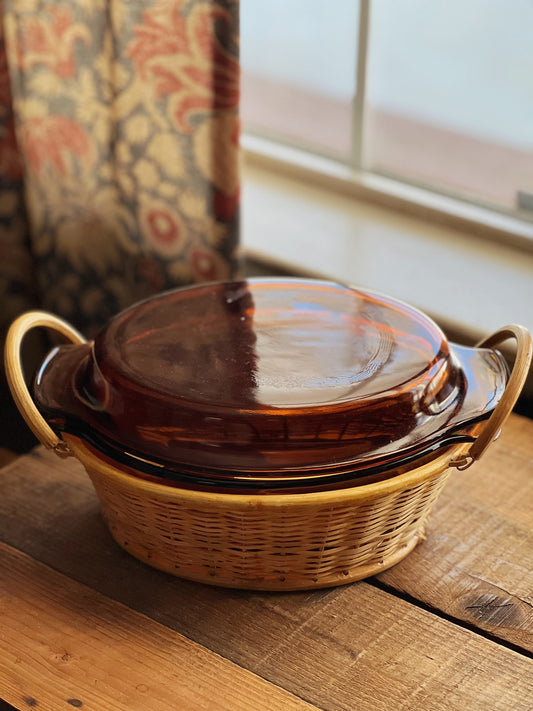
x=283 y=583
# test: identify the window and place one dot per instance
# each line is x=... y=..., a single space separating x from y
x=437 y=94
x=295 y=89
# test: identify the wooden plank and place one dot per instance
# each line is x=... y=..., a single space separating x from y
x=65 y=645
x=477 y=562
x=346 y=648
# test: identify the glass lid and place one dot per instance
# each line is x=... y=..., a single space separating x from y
x=268 y=375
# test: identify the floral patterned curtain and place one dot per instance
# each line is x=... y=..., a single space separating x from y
x=118 y=152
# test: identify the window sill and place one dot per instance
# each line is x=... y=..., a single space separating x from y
x=471 y=286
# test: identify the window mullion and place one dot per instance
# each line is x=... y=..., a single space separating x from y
x=358 y=105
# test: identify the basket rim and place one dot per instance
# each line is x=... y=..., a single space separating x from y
x=351 y=495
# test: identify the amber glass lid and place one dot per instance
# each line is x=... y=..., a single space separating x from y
x=263 y=375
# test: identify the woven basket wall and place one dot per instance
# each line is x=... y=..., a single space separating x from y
x=267 y=542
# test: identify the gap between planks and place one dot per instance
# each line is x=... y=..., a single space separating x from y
x=470 y=626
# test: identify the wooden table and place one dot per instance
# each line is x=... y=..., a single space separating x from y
x=84 y=625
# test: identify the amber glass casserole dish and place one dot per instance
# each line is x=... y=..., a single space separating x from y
x=269 y=433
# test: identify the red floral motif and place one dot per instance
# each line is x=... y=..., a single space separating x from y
x=162 y=227
x=201 y=75
x=207 y=265
x=48 y=38
x=53 y=141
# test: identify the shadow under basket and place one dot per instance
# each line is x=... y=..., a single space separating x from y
x=274 y=542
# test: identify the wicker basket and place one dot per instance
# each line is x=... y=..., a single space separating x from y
x=273 y=541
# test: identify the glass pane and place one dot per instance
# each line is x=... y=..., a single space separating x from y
x=298 y=81
x=450 y=95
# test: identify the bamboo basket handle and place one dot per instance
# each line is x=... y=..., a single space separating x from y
x=15 y=376
x=519 y=372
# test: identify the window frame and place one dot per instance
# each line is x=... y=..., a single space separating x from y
x=353 y=177
x=388 y=192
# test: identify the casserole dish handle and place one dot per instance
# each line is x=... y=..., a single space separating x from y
x=491 y=431
x=15 y=377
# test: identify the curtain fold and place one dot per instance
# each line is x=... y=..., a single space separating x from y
x=119 y=136
x=17 y=267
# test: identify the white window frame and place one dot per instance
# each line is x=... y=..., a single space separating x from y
x=358 y=107
x=352 y=178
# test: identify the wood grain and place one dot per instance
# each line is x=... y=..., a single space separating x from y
x=66 y=645
x=352 y=647
x=477 y=562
